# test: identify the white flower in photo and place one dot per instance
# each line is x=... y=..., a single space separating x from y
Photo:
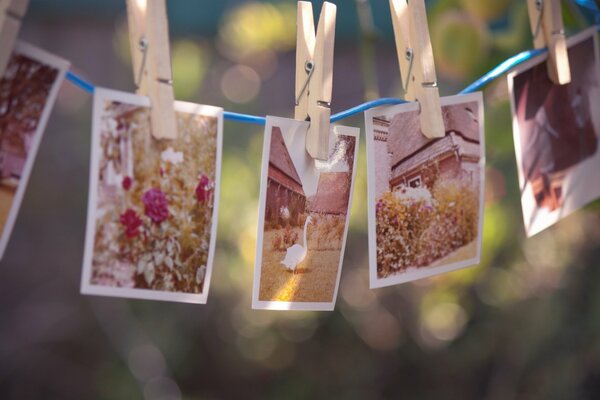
x=149 y=273
x=141 y=266
x=158 y=257
x=169 y=262
x=172 y=156
x=110 y=125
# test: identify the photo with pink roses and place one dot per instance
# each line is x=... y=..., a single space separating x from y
x=152 y=201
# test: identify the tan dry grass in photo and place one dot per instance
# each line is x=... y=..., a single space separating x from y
x=316 y=275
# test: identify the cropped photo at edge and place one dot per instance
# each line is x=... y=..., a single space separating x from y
x=28 y=91
x=556 y=131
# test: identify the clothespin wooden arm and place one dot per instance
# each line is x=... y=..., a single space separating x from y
x=417 y=67
x=314 y=75
x=305 y=49
x=11 y=14
x=545 y=17
x=151 y=62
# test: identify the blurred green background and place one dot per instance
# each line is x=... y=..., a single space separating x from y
x=525 y=324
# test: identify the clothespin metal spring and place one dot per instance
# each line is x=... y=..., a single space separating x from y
x=539 y=5
x=410 y=57
x=143 y=45
x=309 y=67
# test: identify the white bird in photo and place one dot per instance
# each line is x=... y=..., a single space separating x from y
x=284 y=212
x=297 y=253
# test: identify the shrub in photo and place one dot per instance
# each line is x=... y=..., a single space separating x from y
x=416 y=227
x=456 y=219
x=402 y=217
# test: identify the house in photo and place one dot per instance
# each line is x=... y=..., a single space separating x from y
x=417 y=161
x=285 y=196
x=333 y=194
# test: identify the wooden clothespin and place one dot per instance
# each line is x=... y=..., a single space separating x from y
x=151 y=60
x=545 y=17
x=314 y=75
x=417 y=68
x=11 y=14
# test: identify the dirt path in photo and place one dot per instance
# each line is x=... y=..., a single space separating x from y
x=314 y=280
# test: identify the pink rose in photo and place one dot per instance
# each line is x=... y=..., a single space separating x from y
x=204 y=189
x=156 y=205
x=132 y=222
x=127 y=181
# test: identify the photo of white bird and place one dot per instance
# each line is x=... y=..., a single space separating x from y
x=303 y=217
x=297 y=253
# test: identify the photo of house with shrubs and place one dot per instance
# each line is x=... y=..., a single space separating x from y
x=426 y=192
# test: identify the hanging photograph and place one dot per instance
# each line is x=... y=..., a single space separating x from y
x=28 y=90
x=556 y=130
x=303 y=217
x=425 y=195
x=152 y=212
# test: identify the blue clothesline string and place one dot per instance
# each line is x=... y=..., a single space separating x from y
x=80 y=82
x=502 y=68
x=238 y=117
x=590 y=5
x=365 y=106
x=480 y=83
